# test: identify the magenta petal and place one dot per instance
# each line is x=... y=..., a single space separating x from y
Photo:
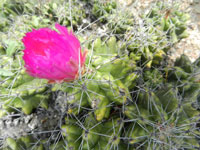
x=52 y=55
x=69 y=36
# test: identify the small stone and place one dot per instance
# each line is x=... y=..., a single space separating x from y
x=16 y=122
x=27 y=119
x=33 y=124
x=1 y=124
x=8 y=123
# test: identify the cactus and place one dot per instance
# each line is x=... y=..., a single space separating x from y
x=126 y=98
x=19 y=90
x=166 y=31
x=173 y=22
x=102 y=9
x=102 y=87
x=28 y=142
x=119 y=119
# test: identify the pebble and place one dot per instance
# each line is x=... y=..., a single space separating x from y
x=33 y=124
x=1 y=124
x=16 y=122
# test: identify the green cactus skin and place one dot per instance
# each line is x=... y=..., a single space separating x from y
x=90 y=134
x=24 y=142
x=102 y=9
x=103 y=108
x=12 y=144
x=112 y=130
x=21 y=90
x=58 y=146
x=177 y=73
x=184 y=63
x=158 y=56
x=140 y=115
x=28 y=142
x=136 y=133
x=72 y=133
x=151 y=109
x=168 y=98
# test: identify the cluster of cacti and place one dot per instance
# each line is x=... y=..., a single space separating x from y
x=125 y=98
x=166 y=111
x=102 y=9
x=169 y=20
x=72 y=15
x=20 y=91
x=28 y=142
x=123 y=26
x=107 y=81
x=15 y=14
x=153 y=37
x=155 y=112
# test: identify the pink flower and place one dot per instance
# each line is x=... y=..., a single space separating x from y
x=52 y=55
